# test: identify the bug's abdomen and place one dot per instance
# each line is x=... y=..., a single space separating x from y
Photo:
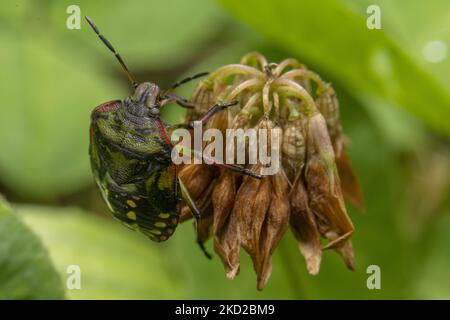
x=148 y=206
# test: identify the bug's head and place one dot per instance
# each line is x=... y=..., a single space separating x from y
x=146 y=97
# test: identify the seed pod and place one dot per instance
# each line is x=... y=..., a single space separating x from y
x=305 y=228
x=240 y=121
x=252 y=203
x=203 y=99
x=225 y=229
x=293 y=149
x=328 y=106
x=274 y=227
x=323 y=185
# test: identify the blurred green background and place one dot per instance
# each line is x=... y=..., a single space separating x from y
x=394 y=89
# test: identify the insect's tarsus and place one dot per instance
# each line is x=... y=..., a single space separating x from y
x=110 y=47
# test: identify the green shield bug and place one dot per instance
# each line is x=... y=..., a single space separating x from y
x=130 y=151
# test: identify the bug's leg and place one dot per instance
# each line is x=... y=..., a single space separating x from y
x=214 y=109
x=188 y=200
x=238 y=169
x=195 y=211
x=171 y=97
x=211 y=161
x=207 y=116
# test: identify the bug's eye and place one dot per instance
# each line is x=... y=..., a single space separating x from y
x=154 y=111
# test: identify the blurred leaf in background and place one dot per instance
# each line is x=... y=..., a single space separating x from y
x=115 y=263
x=26 y=271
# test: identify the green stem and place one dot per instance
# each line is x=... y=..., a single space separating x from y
x=241 y=87
x=292 y=88
x=302 y=73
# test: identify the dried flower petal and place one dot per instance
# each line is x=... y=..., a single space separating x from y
x=252 y=203
x=349 y=181
x=275 y=225
x=226 y=231
x=305 y=229
x=328 y=106
x=323 y=183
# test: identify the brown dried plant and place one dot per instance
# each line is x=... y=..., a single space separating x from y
x=306 y=193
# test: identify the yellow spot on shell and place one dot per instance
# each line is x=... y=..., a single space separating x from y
x=155 y=231
x=160 y=225
x=131 y=215
x=165 y=181
x=131 y=203
x=164 y=215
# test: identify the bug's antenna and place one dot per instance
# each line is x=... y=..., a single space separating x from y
x=110 y=47
x=185 y=80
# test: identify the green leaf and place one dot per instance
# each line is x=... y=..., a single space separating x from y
x=26 y=271
x=334 y=39
x=115 y=263
x=148 y=34
x=432 y=280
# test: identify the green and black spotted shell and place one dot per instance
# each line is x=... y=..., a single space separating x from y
x=132 y=168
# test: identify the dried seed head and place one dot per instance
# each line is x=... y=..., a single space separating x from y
x=306 y=192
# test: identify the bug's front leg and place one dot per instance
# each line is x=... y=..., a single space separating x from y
x=210 y=161
x=172 y=97
x=185 y=195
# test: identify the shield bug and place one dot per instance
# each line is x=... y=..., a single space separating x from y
x=130 y=153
